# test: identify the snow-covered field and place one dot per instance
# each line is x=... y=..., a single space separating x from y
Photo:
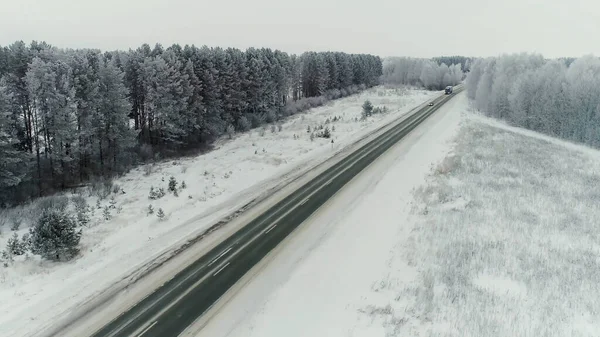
x=35 y=293
x=468 y=228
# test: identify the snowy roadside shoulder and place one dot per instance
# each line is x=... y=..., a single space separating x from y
x=505 y=243
x=140 y=215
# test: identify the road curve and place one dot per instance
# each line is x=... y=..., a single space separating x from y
x=171 y=308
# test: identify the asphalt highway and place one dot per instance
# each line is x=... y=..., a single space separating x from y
x=171 y=308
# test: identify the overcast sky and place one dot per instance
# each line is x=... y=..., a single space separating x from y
x=422 y=28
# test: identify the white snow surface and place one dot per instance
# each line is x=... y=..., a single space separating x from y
x=334 y=268
x=35 y=293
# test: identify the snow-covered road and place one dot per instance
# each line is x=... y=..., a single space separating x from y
x=321 y=278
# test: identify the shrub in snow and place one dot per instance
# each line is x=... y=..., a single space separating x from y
x=55 y=236
x=273 y=128
x=183 y=185
x=6 y=257
x=15 y=246
x=325 y=133
x=83 y=217
x=116 y=189
x=230 y=131
x=113 y=202
x=367 y=109
x=333 y=128
x=156 y=194
x=146 y=152
x=150 y=210
x=98 y=205
x=148 y=170
x=308 y=129
x=26 y=241
x=102 y=188
x=106 y=213
x=262 y=132
x=279 y=127
x=244 y=124
x=270 y=117
x=160 y=214
x=172 y=184
x=54 y=202
x=175 y=193
x=312 y=136
x=15 y=225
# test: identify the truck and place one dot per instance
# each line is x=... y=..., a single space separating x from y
x=448 y=90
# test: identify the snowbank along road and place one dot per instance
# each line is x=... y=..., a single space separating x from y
x=171 y=308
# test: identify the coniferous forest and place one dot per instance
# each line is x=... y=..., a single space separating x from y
x=68 y=116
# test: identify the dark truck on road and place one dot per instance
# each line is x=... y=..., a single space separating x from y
x=448 y=90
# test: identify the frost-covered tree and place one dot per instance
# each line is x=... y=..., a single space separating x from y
x=421 y=72
x=115 y=137
x=51 y=92
x=69 y=115
x=551 y=96
x=55 y=236
x=13 y=163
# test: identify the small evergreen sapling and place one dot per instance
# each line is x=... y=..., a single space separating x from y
x=15 y=246
x=150 y=210
x=172 y=184
x=113 y=202
x=160 y=214
x=106 y=213
x=367 y=109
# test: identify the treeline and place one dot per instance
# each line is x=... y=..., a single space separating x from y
x=557 y=97
x=465 y=62
x=421 y=72
x=70 y=115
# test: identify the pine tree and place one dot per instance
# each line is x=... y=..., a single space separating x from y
x=15 y=246
x=13 y=163
x=367 y=109
x=172 y=184
x=54 y=114
x=115 y=138
x=160 y=214
x=106 y=213
x=55 y=236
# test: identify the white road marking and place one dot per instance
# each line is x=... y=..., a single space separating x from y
x=220 y=270
x=218 y=257
x=304 y=201
x=148 y=328
x=330 y=180
x=270 y=228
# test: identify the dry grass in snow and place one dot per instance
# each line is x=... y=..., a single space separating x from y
x=506 y=241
